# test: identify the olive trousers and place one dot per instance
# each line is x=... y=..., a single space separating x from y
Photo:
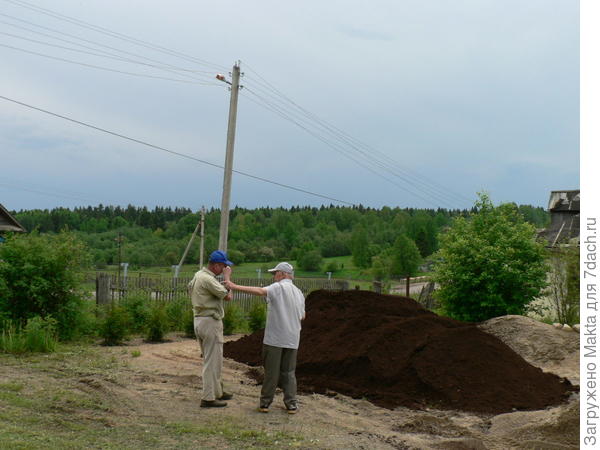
x=280 y=370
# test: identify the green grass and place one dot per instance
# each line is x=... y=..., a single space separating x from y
x=249 y=270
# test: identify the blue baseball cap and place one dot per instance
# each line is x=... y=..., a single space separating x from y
x=219 y=256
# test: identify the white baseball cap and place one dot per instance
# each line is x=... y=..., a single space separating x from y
x=283 y=267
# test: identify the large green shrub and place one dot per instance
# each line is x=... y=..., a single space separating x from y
x=489 y=264
x=158 y=322
x=114 y=328
x=138 y=310
x=257 y=317
x=310 y=260
x=40 y=275
x=234 y=320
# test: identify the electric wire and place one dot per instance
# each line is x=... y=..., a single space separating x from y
x=355 y=143
x=365 y=163
x=386 y=163
x=183 y=155
x=335 y=147
x=35 y=191
x=113 y=34
x=108 y=69
x=115 y=57
x=137 y=55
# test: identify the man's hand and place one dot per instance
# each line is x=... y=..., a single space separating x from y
x=226 y=273
x=228 y=284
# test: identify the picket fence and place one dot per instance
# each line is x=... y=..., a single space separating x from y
x=110 y=288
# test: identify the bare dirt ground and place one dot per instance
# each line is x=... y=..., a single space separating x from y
x=164 y=381
x=153 y=390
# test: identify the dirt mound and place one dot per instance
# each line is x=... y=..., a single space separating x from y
x=394 y=352
x=538 y=343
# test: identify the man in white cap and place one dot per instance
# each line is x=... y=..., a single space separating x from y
x=207 y=301
x=285 y=310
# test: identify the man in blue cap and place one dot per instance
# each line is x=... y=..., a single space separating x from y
x=208 y=295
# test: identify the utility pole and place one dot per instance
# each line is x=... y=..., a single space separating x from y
x=235 y=87
x=202 y=212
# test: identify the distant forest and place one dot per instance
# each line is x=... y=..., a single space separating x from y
x=158 y=237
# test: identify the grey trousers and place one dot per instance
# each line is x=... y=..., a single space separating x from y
x=280 y=370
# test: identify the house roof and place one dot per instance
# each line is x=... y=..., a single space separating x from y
x=564 y=201
x=564 y=218
x=8 y=222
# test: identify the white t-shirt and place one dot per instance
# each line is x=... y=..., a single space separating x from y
x=285 y=310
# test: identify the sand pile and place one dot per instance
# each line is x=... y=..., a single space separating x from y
x=394 y=352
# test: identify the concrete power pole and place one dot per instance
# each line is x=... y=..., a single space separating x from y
x=202 y=212
x=235 y=87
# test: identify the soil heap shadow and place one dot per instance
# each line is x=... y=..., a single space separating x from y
x=393 y=352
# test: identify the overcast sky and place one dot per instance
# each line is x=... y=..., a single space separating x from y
x=399 y=103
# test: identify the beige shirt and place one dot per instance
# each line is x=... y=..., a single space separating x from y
x=207 y=294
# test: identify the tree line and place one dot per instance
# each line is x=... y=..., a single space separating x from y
x=157 y=237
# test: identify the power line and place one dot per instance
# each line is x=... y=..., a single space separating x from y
x=93 y=66
x=183 y=155
x=383 y=160
x=105 y=55
x=170 y=66
x=113 y=34
x=365 y=163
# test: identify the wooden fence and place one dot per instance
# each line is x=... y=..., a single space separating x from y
x=110 y=288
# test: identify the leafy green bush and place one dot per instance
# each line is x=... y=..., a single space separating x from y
x=257 y=318
x=138 y=311
x=188 y=327
x=114 y=328
x=234 y=320
x=178 y=313
x=38 y=336
x=310 y=260
x=490 y=264
x=332 y=266
x=158 y=322
x=41 y=276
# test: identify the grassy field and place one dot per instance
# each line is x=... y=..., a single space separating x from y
x=347 y=271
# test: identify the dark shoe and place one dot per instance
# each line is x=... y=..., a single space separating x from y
x=212 y=404
x=263 y=409
x=225 y=396
x=292 y=409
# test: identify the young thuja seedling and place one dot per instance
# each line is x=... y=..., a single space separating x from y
x=135 y=353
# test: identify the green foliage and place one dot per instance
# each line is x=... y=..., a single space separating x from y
x=360 y=248
x=158 y=322
x=114 y=328
x=489 y=264
x=332 y=266
x=41 y=276
x=310 y=260
x=38 y=336
x=234 y=320
x=563 y=288
x=178 y=313
x=257 y=317
x=157 y=237
x=405 y=257
x=138 y=312
x=188 y=324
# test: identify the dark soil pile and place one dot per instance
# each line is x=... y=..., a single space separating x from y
x=394 y=352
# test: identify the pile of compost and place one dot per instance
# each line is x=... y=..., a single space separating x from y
x=393 y=352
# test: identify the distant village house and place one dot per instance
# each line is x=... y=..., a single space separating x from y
x=8 y=223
